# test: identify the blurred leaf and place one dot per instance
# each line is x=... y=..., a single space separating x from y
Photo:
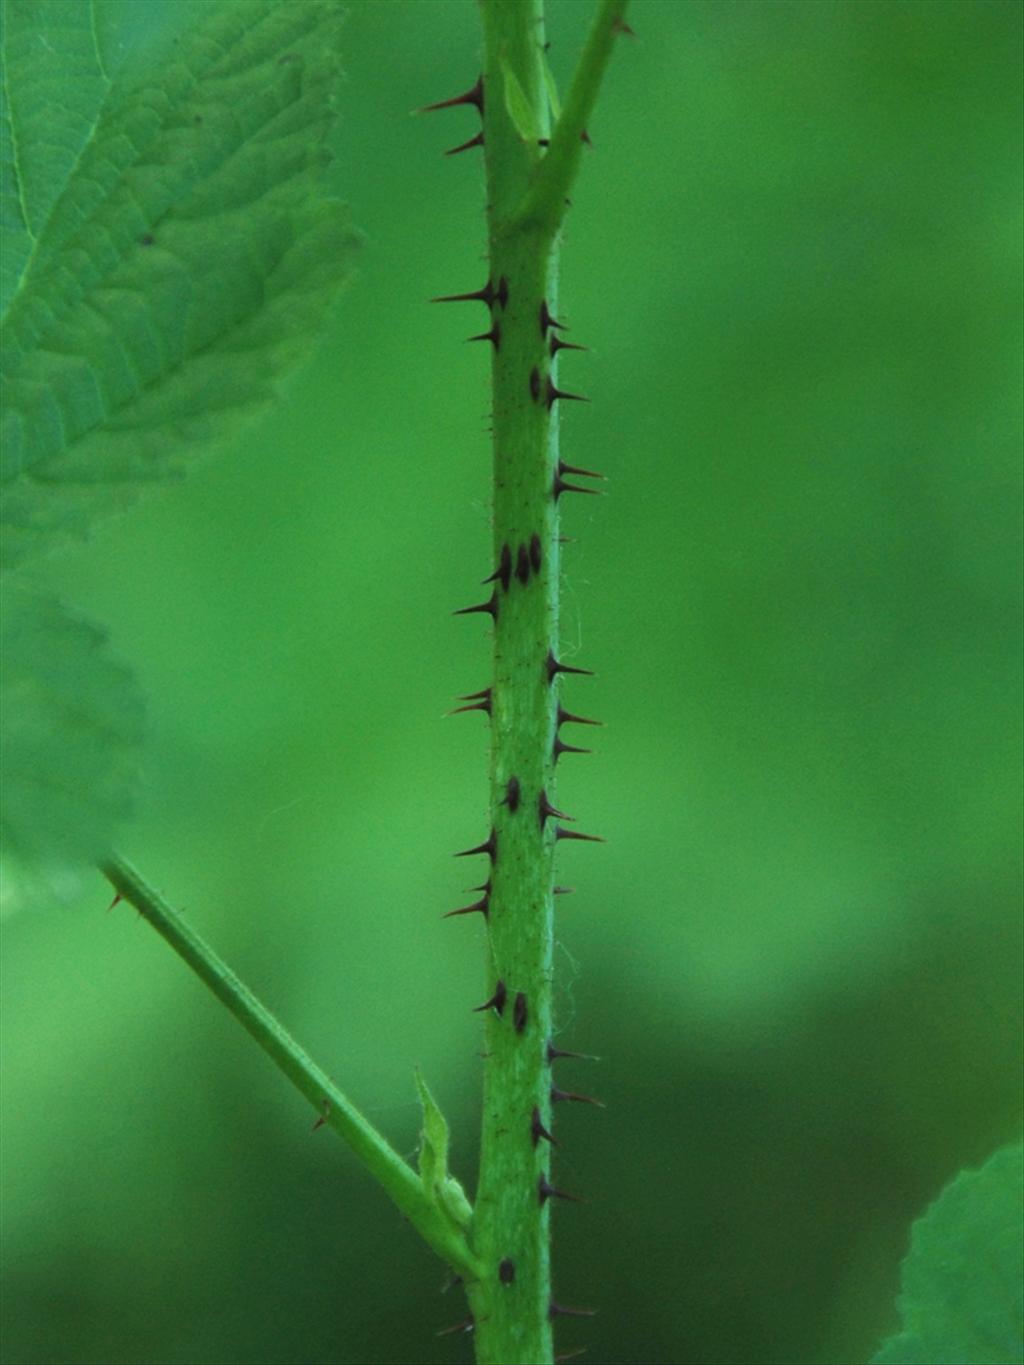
x=167 y=244
x=443 y=1188
x=70 y=724
x=963 y=1280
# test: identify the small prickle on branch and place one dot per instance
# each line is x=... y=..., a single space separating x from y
x=474 y=95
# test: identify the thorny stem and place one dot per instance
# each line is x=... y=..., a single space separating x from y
x=506 y=1271
x=526 y=189
x=399 y=1180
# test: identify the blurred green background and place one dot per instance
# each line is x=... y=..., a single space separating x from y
x=795 y=254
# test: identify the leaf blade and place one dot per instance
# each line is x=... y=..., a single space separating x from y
x=54 y=84
x=962 y=1279
x=70 y=730
x=181 y=272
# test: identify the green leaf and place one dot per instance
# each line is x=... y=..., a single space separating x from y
x=168 y=246
x=962 y=1298
x=441 y=1187
x=520 y=110
x=57 y=83
x=125 y=29
x=70 y=726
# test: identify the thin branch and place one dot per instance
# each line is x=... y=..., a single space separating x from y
x=545 y=202
x=399 y=1180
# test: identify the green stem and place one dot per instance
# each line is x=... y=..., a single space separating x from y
x=512 y=1303
x=545 y=202
x=384 y=1164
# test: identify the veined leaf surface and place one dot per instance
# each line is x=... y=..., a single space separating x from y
x=167 y=249
x=167 y=244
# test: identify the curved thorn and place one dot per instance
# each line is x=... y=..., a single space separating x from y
x=556 y=344
x=538 y=1130
x=474 y=96
x=489 y=846
x=496 y=1002
x=480 y=907
x=552 y=666
x=564 y=717
x=561 y=833
x=560 y=486
x=490 y=606
x=546 y=1191
x=466 y=1325
x=554 y=1053
x=564 y=468
x=477 y=141
x=560 y=748
x=471 y=706
x=493 y=336
x=554 y=393
x=486 y=295
x=559 y=1310
x=546 y=809
x=546 y=320
x=503 y=573
x=475 y=696
x=571 y=1097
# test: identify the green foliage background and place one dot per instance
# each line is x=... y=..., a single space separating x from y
x=795 y=252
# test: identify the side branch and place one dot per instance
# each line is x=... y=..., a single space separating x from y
x=398 y=1178
x=544 y=204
